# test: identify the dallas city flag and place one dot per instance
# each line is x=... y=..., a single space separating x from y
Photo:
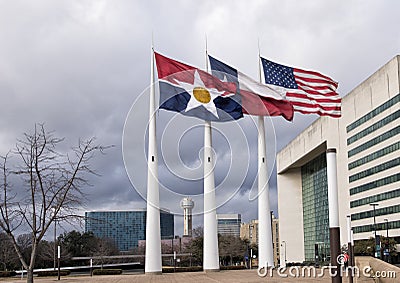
x=310 y=92
x=256 y=98
x=193 y=92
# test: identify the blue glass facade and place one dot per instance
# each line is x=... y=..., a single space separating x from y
x=229 y=224
x=315 y=208
x=126 y=228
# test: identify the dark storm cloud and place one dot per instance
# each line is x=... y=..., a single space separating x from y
x=78 y=66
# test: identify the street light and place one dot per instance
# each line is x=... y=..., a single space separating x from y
x=284 y=242
x=374 y=205
x=55 y=238
x=387 y=248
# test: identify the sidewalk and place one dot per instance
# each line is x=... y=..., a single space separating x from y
x=222 y=276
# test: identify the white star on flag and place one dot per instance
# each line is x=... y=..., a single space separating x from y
x=200 y=95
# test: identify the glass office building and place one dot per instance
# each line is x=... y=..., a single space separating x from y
x=125 y=228
x=229 y=224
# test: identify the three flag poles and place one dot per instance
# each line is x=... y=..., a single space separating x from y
x=153 y=260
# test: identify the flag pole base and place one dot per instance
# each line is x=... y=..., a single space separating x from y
x=154 y=273
x=211 y=270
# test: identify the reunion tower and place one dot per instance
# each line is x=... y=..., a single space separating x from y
x=187 y=204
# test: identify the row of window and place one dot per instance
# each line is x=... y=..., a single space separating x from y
x=375 y=184
x=379 y=226
x=388 y=119
x=375 y=198
x=386 y=135
x=379 y=153
x=373 y=113
x=378 y=212
x=376 y=169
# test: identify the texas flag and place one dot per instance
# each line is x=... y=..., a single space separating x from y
x=193 y=92
x=256 y=98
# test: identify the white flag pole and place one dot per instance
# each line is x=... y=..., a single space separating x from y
x=333 y=203
x=210 y=252
x=265 y=249
x=210 y=246
x=153 y=234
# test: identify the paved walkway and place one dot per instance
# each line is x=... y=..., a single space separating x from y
x=222 y=276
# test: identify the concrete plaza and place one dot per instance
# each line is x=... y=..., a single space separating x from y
x=222 y=276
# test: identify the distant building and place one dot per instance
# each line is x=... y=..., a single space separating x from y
x=249 y=231
x=187 y=204
x=126 y=228
x=229 y=224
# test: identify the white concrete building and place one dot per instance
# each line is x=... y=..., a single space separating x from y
x=368 y=154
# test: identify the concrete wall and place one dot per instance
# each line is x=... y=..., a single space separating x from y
x=291 y=215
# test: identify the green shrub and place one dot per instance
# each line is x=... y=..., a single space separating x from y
x=182 y=269
x=52 y=273
x=7 y=273
x=233 y=267
x=107 y=271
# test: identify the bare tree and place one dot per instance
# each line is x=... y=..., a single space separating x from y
x=50 y=187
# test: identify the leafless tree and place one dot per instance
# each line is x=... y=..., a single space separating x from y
x=49 y=186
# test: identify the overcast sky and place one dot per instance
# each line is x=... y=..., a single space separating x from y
x=83 y=68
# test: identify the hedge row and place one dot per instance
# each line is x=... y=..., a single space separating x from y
x=52 y=273
x=107 y=271
x=232 y=267
x=199 y=268
x=7 y=273
x=182 y=269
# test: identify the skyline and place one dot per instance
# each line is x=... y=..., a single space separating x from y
x=79 y=67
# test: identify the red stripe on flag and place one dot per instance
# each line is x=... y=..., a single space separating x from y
x=315 y=74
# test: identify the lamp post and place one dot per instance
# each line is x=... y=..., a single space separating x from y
x=374 y=205
x=387 y=251
x=58 y=261
x=284 y=262
x=55 y=239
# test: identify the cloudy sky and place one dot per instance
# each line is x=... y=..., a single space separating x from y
x=83 y=69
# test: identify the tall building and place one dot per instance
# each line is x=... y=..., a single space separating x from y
x=368 y=157
x=229 y=224
x=249 y=231
x=187 y=205
x=126 y=228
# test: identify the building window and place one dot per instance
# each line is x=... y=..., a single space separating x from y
x=315 y=205
x=375 y=198
x=375 y=184
x=379 y=153
x=378 y=212
x=379 y=226
x=388 y=119
x=376 y=169
x=387 y=135
x=373 y=113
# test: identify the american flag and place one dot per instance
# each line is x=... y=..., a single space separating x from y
x=310 y=92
